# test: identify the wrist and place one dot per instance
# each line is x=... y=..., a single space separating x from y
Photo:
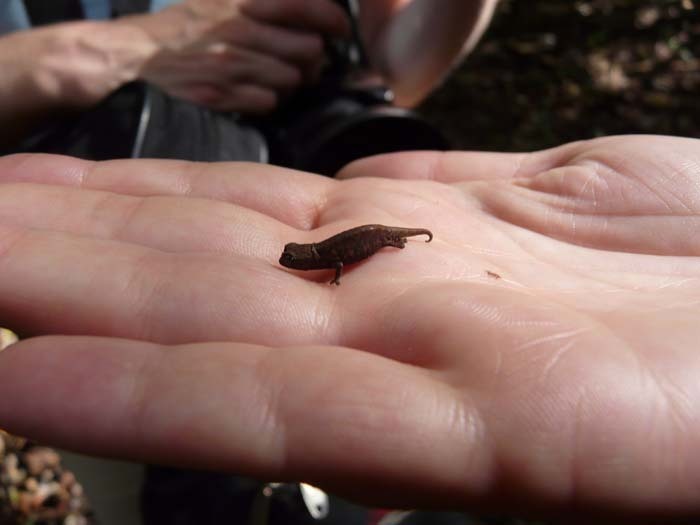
x=171 y=28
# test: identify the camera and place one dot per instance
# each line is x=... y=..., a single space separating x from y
x=323 y=127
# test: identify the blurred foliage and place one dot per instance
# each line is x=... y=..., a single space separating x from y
x=553 y=71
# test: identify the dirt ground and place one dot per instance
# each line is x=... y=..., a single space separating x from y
x=570 y=70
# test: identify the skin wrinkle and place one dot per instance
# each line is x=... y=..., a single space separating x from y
x=388 y=337
x=550 y=339
x=584 y=272
x=652 y=185
x=631 y=215
x=494 y=208
x=690 y=304
x=561 y=204
x=678 y=284
x=520 y=163
x=672 y=393
x=399 y=190
x=317 y=201
x=684 y=173
x=418 y=191
x=492 y=253
x=119 y=229
x=318 y=209
x=577 y=459
x=327 y=317
x=581 y=468
x=537 y=191
x=594 y=175
x=662 y=179
x=557 y=356
x=393 y=328
x=681 y=412
x=580 y=462
x=131 y=208
x=572 y=269
x=497 y=225
x=572 y=218
x=147 y=296
x=666 y=412
x=82 y=172
x=207 y=313
x=190 y=179
x=691 y=173
x=381 y=188
x=538 y=162
x=140 y=391
x=640 y=288
x=11 y=237
x=466 y=420
x=614 y=287
x=680 y=407
x=436 y=166
x=274 y=391
x=306 y=207
x=666 y=201
x=281 y=308
x=464 y=199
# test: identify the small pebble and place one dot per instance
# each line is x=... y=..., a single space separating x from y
x=35 y=488
x=31 y=485
x=39 y=459
x=67 y=479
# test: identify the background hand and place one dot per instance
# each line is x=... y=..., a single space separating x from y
x=239 y=55
x=539 y=354
x=233 y=55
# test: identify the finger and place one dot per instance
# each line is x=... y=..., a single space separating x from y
x=250 y=99
x=172 y=224
x=209 y=74
x=322 y=16
x=289 y=196
x=166 y=223
x=285 y=413
x=294 y=46
x=450 y=167
x=60 y=283
x=240 y=65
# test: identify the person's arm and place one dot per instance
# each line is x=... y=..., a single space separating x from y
x=414 y=44
x=65 y=67
x=230 y=55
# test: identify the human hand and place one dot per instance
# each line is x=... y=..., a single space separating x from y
x=538 y=356
x=64 y=67
x=238 y=55
x=225 y=54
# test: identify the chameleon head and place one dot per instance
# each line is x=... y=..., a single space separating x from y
x=297 y=256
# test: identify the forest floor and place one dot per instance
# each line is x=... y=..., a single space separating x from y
x=553 y=71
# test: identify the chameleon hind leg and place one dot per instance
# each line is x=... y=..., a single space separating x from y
x=396 y=242
x=338 y=273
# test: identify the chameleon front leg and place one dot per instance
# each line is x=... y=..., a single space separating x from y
x=338 y=273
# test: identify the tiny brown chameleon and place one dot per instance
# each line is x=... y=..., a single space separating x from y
x=347 y=247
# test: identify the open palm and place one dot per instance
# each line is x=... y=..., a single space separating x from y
x=539 y=354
